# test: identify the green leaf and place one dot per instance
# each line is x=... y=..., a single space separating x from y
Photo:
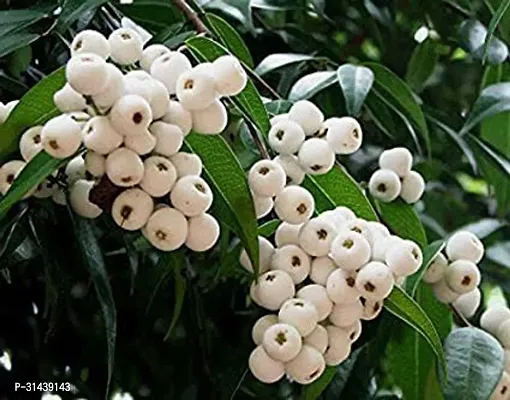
x=475 y=363
x=503 y=6
x=274 y=61
x=268 y=228
x=355 y=82
x=338 y=188
x=248 y=101
x=410 y=357
x=396 y=91
x=93 y=259
x=154 y=15
x=73 y=9
x=492 y=156
x=422 y=64
x=15 y=41
x=314 y=390
x=35 y=172
x=229 y=38
x=35 y=108
x=429 y=254
x=277 y=107
x=402 y=220
x=504 y=24
x=493 y=100
x=500 y=254
x=309 y=85
x=277 y=5
x=233 y=203
x=484 y=227
x=177 y=261
x=400 y=304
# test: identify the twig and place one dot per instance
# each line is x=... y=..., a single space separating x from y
x=258 y=142
x=457 y=8
x=262 y=82
x=191 y=15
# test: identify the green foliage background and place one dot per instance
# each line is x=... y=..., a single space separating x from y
x=84 y=302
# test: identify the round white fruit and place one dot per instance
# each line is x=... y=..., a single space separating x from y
x=124 y=167
x=385 y=185
x=307 y=366
x=30 y=143
x=287 y=234
x=100 y=136
x=294 y=205
x=318 y=339
x=462 y=276
x=316 y=156
x=266 y=251
x=126 y=46
x=187 y=164
x=413 y=186
x=436 y=269
x=61 y=136
x=398 y=160
x=293 y=171
x=464 y=245
x=316 y=236
x=176 y=114
x=260 y=327
x=344 y=135
x=166 y=229
x=273 y=289
x=286 y=137
x=266 y=178
x=293 y=260
x=203 y=232
x=307 y=115
x=344 y=315
x=375 y=281
x=339 y=346
x=282 y=342
x=79 y=199
x=229 y=75
x=131 y=115
x=159 y=176
x=299 y=313
x=318 y=296
x=468 y=303
x=169 y=67
x=350 y=250
x=320 y=270
x=90 y=41
x=191 y=195
x=493 y=317
x=404 y=258
x=87 y=73
x=341 y=287
x=132 y=208
x=210 y=120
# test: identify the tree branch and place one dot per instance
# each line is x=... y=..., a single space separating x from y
x=191 y=15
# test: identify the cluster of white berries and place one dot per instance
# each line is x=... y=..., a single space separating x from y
x=456 y=276
x=395 y=177
x=306 y=143
x=496 y=321
x=324 y=277
x=131 y=116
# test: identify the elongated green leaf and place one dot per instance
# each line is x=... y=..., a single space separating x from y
x=35 y=108
x=484 y=227
x=274 y=61
x=248 y=101
x=338 y=188
x=411 y=360
x=493 y=100
x=73 y=9
x=177 y=261
x=229 y=38
x=355 y=82
x=233 y=203
x=277 y=107
x=93 y=259
x=504 y=24
x=399 y=94
x=498 y=15
x=309 y=85
x=153 y=15
x=429 y=254
x=422 y=64
x=269 y=227
x=500 y=254
x=400 y=304
x=402 y=220
x=35 y=172
x=492 y=156
x=15 y=41
x=475 y=363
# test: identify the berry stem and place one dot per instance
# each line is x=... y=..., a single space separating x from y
x=258 y=142
x=459 y=316
x=191 y=15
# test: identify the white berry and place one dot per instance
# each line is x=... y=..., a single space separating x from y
x=320 y=270
x=75 y=170
x=141 y=144
x=318 y=339
x=87 y=73
x=95 y=164
x=413 y=186
x=273 y=289
x=166 y=229
x=318 y=296
x=404 y=259
x=126 y=46
x=61 y=136
x=90 y=41
x=131 y=115
x=294 y=205
x=169 y=67
x=151 y=53
x=278 y=118
x=159 y=176
x=203 y=232
x=398 y=160
x=293 y=171
x=503 y=334
x=67 y=99
x=210 y=120
x=435 y=271
x=176 y=114
x=263 y=205
x=286 y=137
x=266 y=251
x=229 y=75
x=339 y=346
x=344 y=135
x=443 y=292
x=113 y=90
x=353 y=331
x=307 y=366
x=293 y=260
x=264 y=368
x=282 y=342
x=79 y=199
x=124 y=167
x=299 y=313
x=344 y=315
x=186 y=164
x=316 y=156
x=502 y=390
x=385 y=185
x=464 y=245
x=350 y=250
x=307 y=115
x=375 y=281
x=160 y=101
x=341 y=287
x=260 y=327
x=30 y=143
x=266 y=178
x=9 y=172
x=493 y=317
x=195 y=89
x=132 y=208
x=100 y=136
x=462 y=276
x=191 y=195
x=371 y=309
x=468 y=303
x=287 y=234
x=316 y=236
